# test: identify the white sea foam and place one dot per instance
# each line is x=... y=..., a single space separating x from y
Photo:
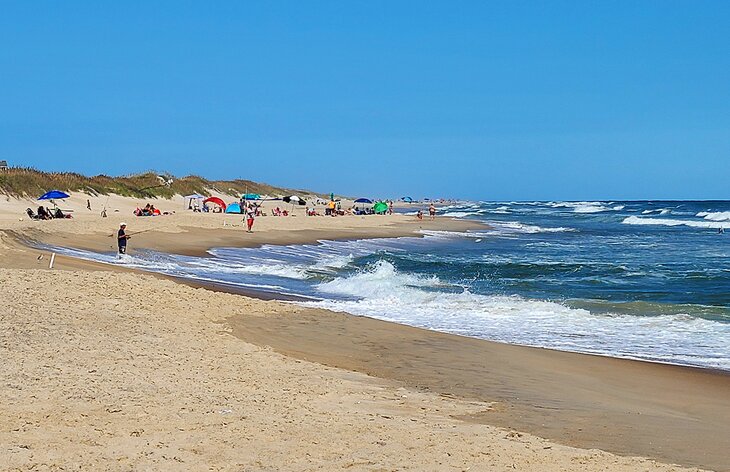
x=278 y=270
x=460 y=214
x=715 y=215
x=497 y=229
x=587 y=207
x=380 y=291
x=638 y=220
x=530 y=229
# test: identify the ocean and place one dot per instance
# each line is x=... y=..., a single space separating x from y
x=635 y=279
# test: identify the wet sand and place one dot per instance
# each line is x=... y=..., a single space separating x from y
x=670 y=413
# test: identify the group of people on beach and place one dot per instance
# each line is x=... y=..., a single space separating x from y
x=148 y=210
x=45 y=213
x=251 y=211
x=431 y=212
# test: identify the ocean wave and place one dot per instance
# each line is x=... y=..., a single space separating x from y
x=275 y=269
x=497 y=229
x=380 y=291
x=587 y=207
x=460 y=214
x=660 y=211
x=638 y=220
x=517 y=227
x=715 y=216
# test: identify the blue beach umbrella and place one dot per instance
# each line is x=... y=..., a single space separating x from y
x=363 y=200
x=53 y=194
x=252 y=196
x=407 y=199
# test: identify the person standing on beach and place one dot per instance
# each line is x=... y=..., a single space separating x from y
x=88 y=204
x=432 y=211
x=122 y=238
x=250 y=217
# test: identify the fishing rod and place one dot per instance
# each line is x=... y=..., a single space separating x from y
x=103 y=211
x=132 y=234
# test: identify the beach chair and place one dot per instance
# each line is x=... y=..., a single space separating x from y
x=32 y=215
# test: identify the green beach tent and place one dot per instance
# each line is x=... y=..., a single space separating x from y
x=380 y=207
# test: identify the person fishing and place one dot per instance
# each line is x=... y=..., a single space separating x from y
x=122 y=238
x=251 y=216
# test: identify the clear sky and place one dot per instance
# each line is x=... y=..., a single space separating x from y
x=484 y=100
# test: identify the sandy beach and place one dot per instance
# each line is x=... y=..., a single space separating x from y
x=107 y=369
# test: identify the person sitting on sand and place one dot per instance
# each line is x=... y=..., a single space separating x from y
x=59 y=214
x=419 y=215
x=122 y=238
x=43 y=214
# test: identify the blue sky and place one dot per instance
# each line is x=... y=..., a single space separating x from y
x=484 y=100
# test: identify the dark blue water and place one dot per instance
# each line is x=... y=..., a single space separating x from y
x=646 y=280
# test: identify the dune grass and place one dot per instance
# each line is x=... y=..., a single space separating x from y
x=28 y=182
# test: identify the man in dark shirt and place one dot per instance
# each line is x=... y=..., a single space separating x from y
x=122 y=237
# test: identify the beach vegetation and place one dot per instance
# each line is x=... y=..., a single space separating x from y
x=29 y=182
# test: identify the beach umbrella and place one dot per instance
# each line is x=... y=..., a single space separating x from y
x=363 y=200
x=294 y=199
x=189 y=198
x=407 y=199
x=252 y=196
x=217 y=201
x=53 y=194
x=380 y=207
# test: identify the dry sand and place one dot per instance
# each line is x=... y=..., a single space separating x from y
x=113 y=370
x=97 y=377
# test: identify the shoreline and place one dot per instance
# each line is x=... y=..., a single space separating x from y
x=561 y=396
x=636 y=408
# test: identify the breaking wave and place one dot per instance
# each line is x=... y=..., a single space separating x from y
x=380 y=291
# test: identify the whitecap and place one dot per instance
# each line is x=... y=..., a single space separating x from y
x=380 y=291
x=715 y=216
x=638 y=220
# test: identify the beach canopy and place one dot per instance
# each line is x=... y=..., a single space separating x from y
x=252 y=196
x=407 y=199
x=217 y=201
x=53 y=194
x=233 y=208
x=363 y=200
x=380 y=207
x=194 y=196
